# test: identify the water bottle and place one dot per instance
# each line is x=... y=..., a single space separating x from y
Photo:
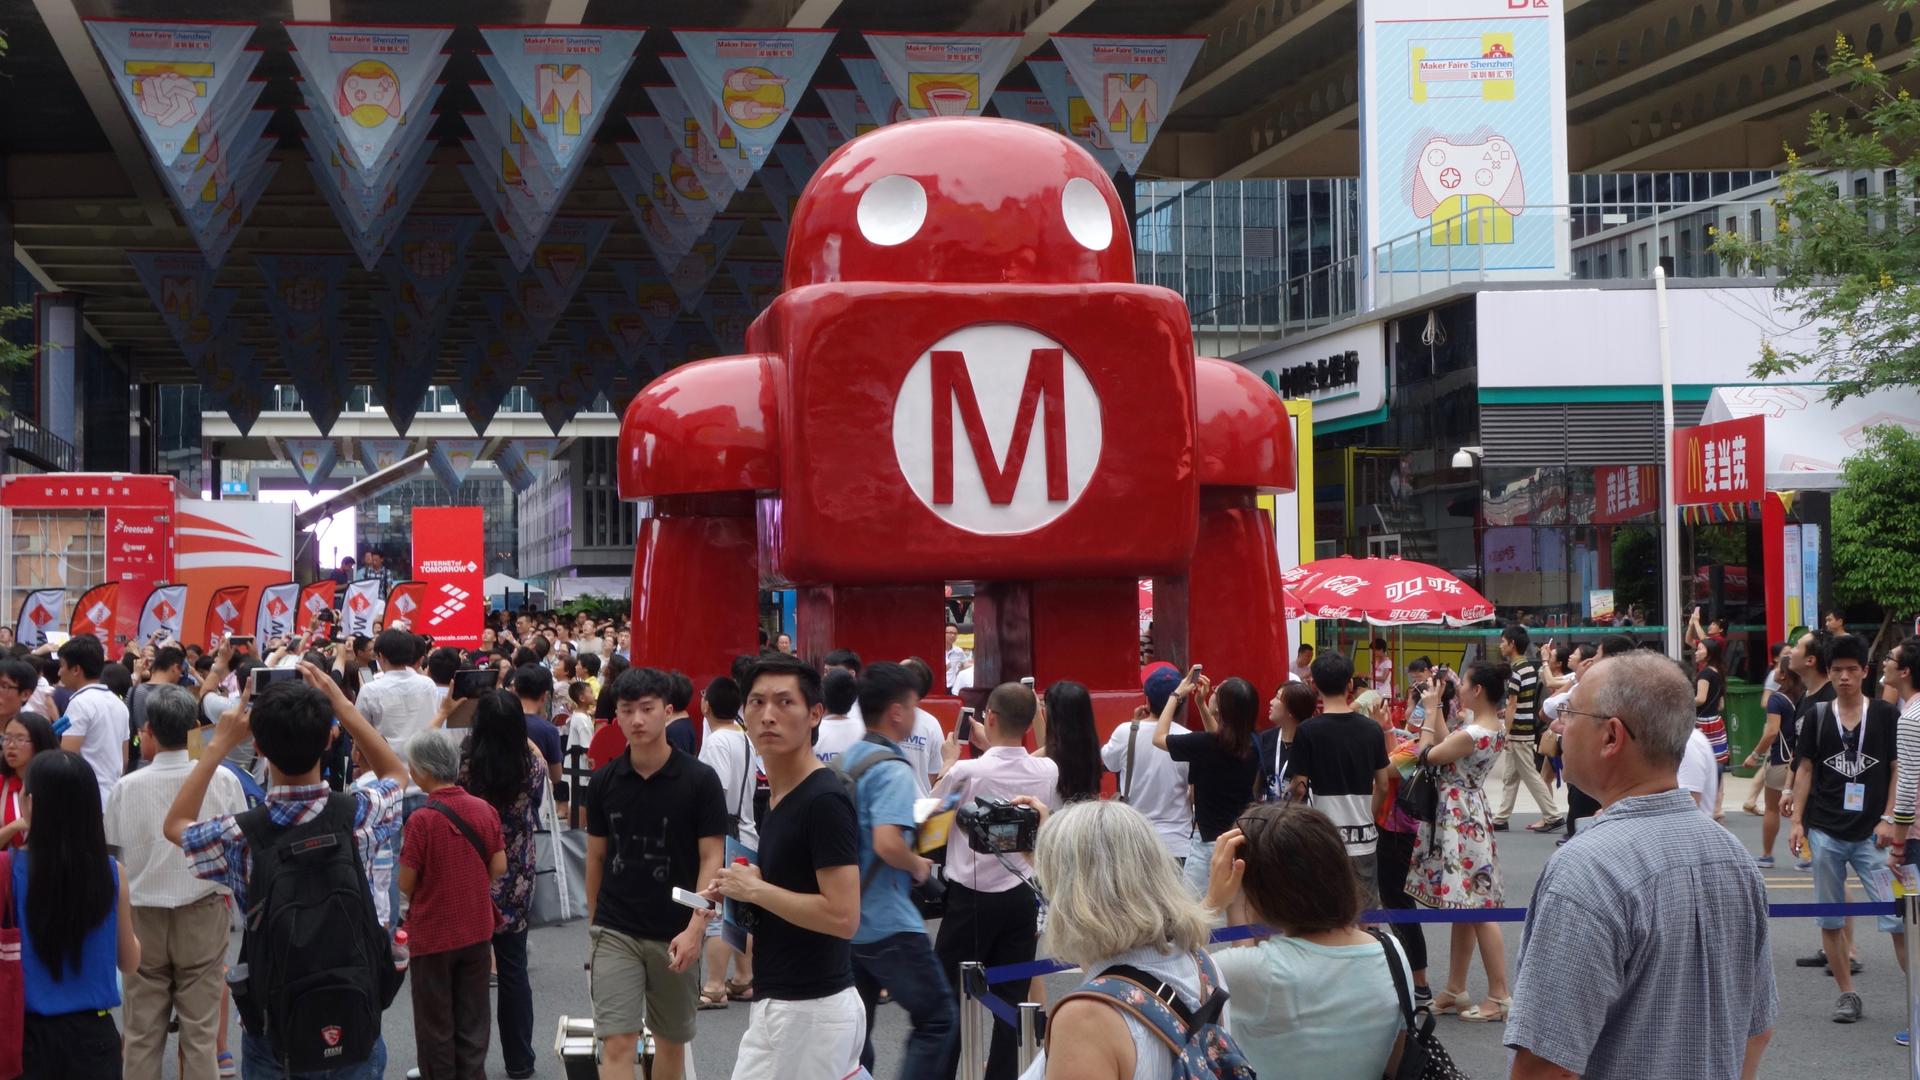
x=400 y=951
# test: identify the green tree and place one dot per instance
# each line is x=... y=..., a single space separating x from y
x=1849 y=265
x=1876 y=526
x=12 y=354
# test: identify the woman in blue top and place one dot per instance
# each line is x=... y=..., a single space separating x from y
x=76 y=926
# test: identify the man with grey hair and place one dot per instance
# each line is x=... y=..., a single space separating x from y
x=452 y=851
x=179 y=918
x=1646 y=950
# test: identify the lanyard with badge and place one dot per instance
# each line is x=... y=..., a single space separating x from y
x=1856 y=794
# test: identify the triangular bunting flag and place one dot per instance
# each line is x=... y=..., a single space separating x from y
x=489 y=366
x=378 y=454
x=1076 y=119
x=750 y=81
x=1131 y=82
x=690 y=135
x=373 y=78
x=564 y=77
x=667 y=231
x=727 y=316
x=883 y=104
x=943 y=74
x=171 y=75
x=625 y=327
x=312 y=460
x=691 y=275
x=850 y=118
x=648 y=292
x=758 y=279
x=452 y=458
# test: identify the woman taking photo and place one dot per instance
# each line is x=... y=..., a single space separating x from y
x=1709 y=690
x=1064 y=730
x=1223 y=770
x=1114 y=899
x=1454 y=855
x=502 y=766
x=76 y=940
x=1319 y=999
x=27 y=735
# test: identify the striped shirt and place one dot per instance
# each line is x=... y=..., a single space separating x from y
x=217 y=848
x=1907 y=784
x=1523 y=686
x=1646 y=950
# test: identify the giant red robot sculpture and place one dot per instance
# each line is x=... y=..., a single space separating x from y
x=963 y=382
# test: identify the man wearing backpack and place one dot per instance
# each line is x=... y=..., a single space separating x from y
x=297 y=866
x=891 y=950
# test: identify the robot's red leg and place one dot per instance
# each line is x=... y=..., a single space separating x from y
x=880 y=622
x=696 y=579
x=1228 y=610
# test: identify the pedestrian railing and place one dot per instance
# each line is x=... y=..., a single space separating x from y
x=981 y=1008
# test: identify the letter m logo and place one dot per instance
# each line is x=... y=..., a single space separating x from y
x=564 y=93
x=953 y=391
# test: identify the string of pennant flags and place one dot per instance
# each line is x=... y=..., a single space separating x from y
x=280 y=610
x=727 y=117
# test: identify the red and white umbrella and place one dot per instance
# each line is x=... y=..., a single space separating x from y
x=1384 y=592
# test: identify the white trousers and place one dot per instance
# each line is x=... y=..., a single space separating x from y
x=803 y=1040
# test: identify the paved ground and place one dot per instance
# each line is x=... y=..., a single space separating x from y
x=1805 y=1044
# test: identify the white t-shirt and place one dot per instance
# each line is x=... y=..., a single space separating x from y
x=922 y=750
x=579 y=730
x=836 y=734
x=728 y=753
x=1159 y=783
x=399 y=704
x=1698 y=771
x=94 y=714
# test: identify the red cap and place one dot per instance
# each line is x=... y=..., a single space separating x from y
x=740 y=860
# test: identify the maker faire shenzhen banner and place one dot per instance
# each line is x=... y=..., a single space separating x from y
x=371 y=78
x=750 y=83
x=943 y=74
x=1462 y=127
x=1131 y=83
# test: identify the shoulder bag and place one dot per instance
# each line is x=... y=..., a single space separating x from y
x=1419 y=795
x=1421 y=1056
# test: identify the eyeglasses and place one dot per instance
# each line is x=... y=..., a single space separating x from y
x=11 y=687
x=1602 y=717
x=16 y=740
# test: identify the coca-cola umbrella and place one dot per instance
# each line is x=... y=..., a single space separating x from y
x=1384 y=592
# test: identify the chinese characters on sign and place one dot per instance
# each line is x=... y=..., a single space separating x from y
x=1623 y=492
x=1720 y=463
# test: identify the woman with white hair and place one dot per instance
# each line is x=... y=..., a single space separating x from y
x=1115 y=902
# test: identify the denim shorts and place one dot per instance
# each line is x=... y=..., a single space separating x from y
x=1832 y=857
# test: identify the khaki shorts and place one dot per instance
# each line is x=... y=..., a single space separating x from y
x=1777 y=777
x=633 y=990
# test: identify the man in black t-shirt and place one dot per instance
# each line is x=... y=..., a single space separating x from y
x=1336 y=759
x=656 y=821
x=1843 y=804
x=807 y=1019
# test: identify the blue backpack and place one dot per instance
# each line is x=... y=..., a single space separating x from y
x=1202 y=1049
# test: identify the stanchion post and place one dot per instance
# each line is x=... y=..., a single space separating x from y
x=1910 y=915
x=976 y=1031
x=1029 y=1033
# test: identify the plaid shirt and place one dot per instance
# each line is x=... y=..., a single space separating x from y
x=217 y=849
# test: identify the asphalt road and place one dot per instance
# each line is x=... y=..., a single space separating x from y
x=1806 y=1042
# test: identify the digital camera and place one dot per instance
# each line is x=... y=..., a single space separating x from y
x=996 y=826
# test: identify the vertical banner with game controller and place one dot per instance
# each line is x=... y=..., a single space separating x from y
x=1463 y=140
x=449 y=560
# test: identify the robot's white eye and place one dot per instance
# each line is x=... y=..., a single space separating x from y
x=891 y=210
x=1087 y=215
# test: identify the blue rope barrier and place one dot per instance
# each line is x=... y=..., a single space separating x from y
x=1034 y=968
x=1001 y=1011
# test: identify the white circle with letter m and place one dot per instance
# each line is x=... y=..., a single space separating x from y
x=997 y=429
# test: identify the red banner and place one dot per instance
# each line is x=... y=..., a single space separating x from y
x=1720 y=463
x=84 y=491
x=226 y=613
x=96 y=611
x=1624 y=492
x=403 y=602
x=139 y=543
x=314 y=599
x=449 y=555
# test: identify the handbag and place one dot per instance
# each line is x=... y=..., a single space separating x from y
x=1419 y=795
x=1421 y=1055
x=13 y=988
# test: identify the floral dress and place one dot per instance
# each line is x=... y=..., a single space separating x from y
x=513 y=890
x=1453 y=859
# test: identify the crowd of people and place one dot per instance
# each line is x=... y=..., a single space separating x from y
x=371 y=806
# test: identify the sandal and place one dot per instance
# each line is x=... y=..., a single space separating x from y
x=712 y=999
x=1446 y=1002
x=226 y=1066
x=740 y=991
x=1478 y=1015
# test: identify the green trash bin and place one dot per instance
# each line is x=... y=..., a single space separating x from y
x=1745 y=710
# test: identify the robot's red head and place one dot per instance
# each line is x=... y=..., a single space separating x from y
x=959 y=199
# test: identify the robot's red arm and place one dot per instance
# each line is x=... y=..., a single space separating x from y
x=707 y=427
x=1245 y=438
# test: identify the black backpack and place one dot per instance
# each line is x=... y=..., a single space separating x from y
x=319 y=964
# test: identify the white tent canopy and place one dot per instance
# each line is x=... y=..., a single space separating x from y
x=1809 y=438
x=506 y=584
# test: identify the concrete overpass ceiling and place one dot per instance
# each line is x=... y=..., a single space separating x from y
x=1274 y=93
